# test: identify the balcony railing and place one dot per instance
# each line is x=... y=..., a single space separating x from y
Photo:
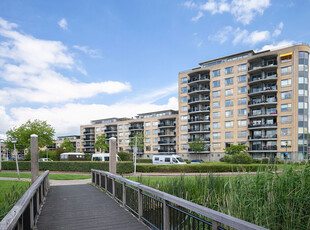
x=199 y=130
x=262 y=114
x=202 y=139
x=166 y=134
x=89 y=132
x=197 y=110
x=166 y=150
x=167 y=142
x=136 y=127
x=273 y=100
x=263 y=137
x=259 y=78
x=166 y=124
x=198 y=99
x=261 y=125
x=262 y=148
x=205 y=150
x=263 y=89
x=110 y=130
x=201 y=78
x=198 y=89
x=262 y=64
x=198 y=120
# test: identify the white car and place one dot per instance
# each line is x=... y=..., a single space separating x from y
x=45 y=159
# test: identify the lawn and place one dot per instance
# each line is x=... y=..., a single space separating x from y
x=10 y=193
x=52 y=176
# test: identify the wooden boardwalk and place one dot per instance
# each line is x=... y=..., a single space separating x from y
x=84 y=207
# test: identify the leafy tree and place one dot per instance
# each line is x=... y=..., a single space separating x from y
x=140 y=141
x=102 y=143
x=197 y=145
x=236 y=149
x=44 y=131
x=67 y=146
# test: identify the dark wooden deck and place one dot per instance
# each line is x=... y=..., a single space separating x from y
x=84 y=207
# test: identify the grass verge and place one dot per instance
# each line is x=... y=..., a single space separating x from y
x=52 y=176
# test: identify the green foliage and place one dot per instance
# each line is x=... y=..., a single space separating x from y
x=102 y=143
x=144 y=161
x=44 y=131
x=241 y=158
x=74 y=166
x=226 y=158
x=51 y=176
x=140 y=141
x=67 y=146
x=236 y=149
x=265 y=161
x=197 y=145
x=125 y=156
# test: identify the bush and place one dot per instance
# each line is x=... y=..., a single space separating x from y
x=265 y=161
x=256 y=161
x=74 y=166
x=226 y=158
x=241 y=158
x=144 y=160
x=125 y=156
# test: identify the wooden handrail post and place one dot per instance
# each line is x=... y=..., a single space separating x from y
x=99 y=180
x=166 y=215
x=105 y=182
x=124 y=194
x=31 y=214
x=215 y=225
x=140 y=205
x=113 y=187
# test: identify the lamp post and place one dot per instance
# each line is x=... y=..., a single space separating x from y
x=14 y=142
x=1 y=142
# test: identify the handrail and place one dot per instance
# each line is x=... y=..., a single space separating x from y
x=166 y=199
x=32 y=199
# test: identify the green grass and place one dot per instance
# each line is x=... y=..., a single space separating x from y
x=275 y=201
x=10 y=193
x=52 y=176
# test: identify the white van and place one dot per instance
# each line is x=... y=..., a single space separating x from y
x=103 y=157
x=167 y=159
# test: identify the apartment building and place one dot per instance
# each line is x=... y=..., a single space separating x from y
x=157 y=128
x=258 y=99
x=74 y=139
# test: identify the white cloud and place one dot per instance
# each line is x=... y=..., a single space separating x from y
x=243 y=11
x=277 y=45
x=63 y=24
x=91 y=52
x=196 y=18
x=222 y=35
x=278 y=30
x=32 y=65
x=5 y=121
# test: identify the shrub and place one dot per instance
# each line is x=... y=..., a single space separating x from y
x=125 y=156
x=226 y=158
x=144 y=160
x=241 y=158
x=265 y=161
x=75 y=166
x=256 y=161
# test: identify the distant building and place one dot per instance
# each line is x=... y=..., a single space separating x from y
x=74 y=139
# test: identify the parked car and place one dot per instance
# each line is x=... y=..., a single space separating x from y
x=45 y=159
x=167 y=159
x=103 y=157
x=196 y=161
x=72 y=157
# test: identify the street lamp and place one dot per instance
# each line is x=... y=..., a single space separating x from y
x=14 y=142
x=1 y=142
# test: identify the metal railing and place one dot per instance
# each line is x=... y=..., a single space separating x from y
x=25 y=212
x=160 y=210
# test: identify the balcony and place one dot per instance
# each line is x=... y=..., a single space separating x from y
x=263 y=65
x=261 y=78
x=136 y=128
x=271 y=101
x=206 y=150
x=110 y=130
x=199 y=79
x=198 y=120
x=166 y=134
x=197 y=100
x=199 y=110
x=161 y=125
x=166 y=142
x=267 y=89
x=199 y=90
x=199 y=130
x=266 y=137
x=259 y=126
x=270 y=148
x=89 y=151
x=193 y=139
x=263 y=114
x=89 y=132
x=166 y=150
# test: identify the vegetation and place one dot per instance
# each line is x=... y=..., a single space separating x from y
x=197 y=146
x=125 y=156
x=144 y=161
x=10 y=193
x=275 y=201
x=51 y=176
x=44 y=131
x=67 y=146
x=102 y=143
x=140 y=141
x=236 y=149
x=237 y=154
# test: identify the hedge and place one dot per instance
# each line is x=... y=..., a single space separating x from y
x=144 y=161
x=202 y=168
x=73 y=166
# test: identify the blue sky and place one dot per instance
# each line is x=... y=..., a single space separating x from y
x=69 y=62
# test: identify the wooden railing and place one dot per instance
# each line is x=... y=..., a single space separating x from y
x=160 y=210
x=26 y=211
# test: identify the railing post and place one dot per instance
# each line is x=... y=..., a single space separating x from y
x=215 y=225
x=99 y=180
x=105 y=182
x=166 y=215
x=31 y=214
x=38 y=201
x=42 y=192
x=95 y=178
x=140 y=207
x=124 y=194
x=113 y=187
x=20 y=222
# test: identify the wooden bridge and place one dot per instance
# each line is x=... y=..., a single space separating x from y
x=124 y=205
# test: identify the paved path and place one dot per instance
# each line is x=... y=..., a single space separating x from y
x=84 y=207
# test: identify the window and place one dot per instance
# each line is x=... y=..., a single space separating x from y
x=286 y=119
x=229 y=113
x=148 y=124
x=184 y=99
x=242 y=90
x=242 y=123
x=184 y=118
x=184 y=90
x=286 y=107
x=242 y=78
x=184 y=128
x=216 y=73
x=229 y=135
x=120 y=127
x=242 y=134
x=242 y=67
x=184 y=147
x=216 y=94
x=229 y=92
x=155 y=140
x=184 y=137
x=216 y=146
x=286 y=132
x=286 y=82
x=216 y=125
x=242 y=112
x=216 y=115
x=285 y=144
x=286 y=58
x=242 y=101
x=147 y=140
x=216 y=104
x=302 y=92
x=184 y=108
x=155 y=131
x=147 y=132
x=120 y=134
x=127 y=134
x=120 y=141
x=184 y=80
x=155 y=123
x=286 y=70
x=216 y=135
x=97 y=129
x=127 y=141
x=216 y=84
x=286 y=95
x=229 y=70
x=229 y=81
x=229 y=124
x=127 y=126
x=229 y=103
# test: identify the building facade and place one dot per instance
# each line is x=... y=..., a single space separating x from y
x=258 y=99
x=74 y=139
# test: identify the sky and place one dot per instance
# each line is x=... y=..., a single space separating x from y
x=70 y=62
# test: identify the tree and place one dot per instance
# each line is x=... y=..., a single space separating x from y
x=67 y=146
x=236 y=149
x=197 y=145
x=44 y=131
x=140 y=141
x=102 y=143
